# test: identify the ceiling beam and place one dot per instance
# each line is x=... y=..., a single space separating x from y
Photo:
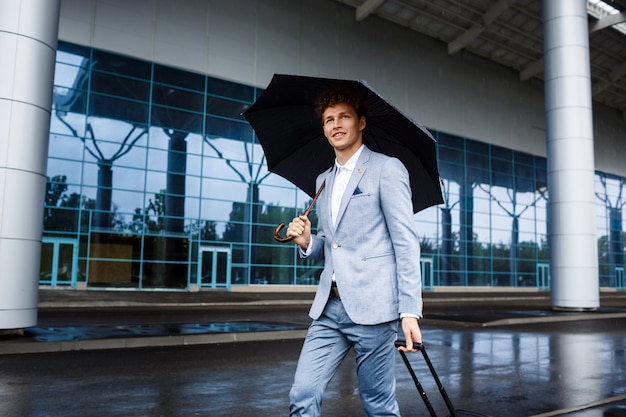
x=617 y=73
x=536 y=67
x=492 y=13
x=367 y=8
x=607 y=21
x=532 y=69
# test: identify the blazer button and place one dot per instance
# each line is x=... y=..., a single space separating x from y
x=335 y=246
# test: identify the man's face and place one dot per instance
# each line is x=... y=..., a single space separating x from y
x=342 y=127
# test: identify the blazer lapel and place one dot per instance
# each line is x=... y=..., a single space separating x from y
x=327 y=197
x=355 y=178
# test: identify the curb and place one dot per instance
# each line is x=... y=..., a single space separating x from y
x=149 y=341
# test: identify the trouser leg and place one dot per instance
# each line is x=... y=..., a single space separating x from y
x=323 y=351
x=375 y=363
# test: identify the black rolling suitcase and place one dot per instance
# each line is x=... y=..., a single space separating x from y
x=442 y=390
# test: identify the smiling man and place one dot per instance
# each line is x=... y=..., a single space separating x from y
x=371 y=279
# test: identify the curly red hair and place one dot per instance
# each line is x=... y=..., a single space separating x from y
x=341 y=94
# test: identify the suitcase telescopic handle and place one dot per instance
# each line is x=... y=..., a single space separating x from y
x=418 y=385
x=402 y=343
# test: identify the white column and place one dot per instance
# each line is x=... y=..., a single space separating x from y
x=28 y=40
x=572 y=238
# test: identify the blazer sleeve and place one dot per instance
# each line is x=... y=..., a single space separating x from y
x=397 y=208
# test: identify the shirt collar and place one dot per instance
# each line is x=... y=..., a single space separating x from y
x=351 y=163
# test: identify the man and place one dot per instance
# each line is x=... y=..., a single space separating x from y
x=371 y=278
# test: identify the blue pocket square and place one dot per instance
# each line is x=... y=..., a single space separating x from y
x=357 y=191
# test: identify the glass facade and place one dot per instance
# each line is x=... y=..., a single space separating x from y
x=155 y=180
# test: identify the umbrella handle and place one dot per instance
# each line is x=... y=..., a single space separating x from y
x=277 y=235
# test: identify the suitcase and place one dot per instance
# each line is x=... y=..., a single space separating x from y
x=442 y=390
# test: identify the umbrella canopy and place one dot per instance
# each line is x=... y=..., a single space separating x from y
x=295 y=147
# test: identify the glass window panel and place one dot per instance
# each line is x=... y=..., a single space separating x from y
x=192 y=207
x=101 y=150
x=65 y=147
x=482 y=228
x=524 y=200
x=222 y=211
x=451 y=171
x=155 y=183
x=228 y=129
x=501 y=173
x=123 y=222
x=502 y=154
x=68 y=124
x=224 y=190
x=450 y=154
x=70 y=77
x=476 y=175
x=123 y=65
x=428 y=223
x=194 y=144
x=71 y=169
x=450 y=141
x=194 y=165
x=526 y=232
x=158 y=139
x=111 y=273
x=90 y=174
x=523 y=159
x=229 y=149
x=480 y=161
x=174 y=97
x=66 y=75
x=114 y=85
x=88 y=192
x=60 y=219
x=192 y=186
x=527 y=225
x=171 y=118
x=477 y=148
x=280 y=197
x=278 y=182
x=524 y=184
x=127 y=201
x=218 y=168
x=227 y=108
x=128 y=178
x=229 y=89
x=157 y=159
x=65 y=51
x=179 y=78
x=135 y=158
x=106 y=107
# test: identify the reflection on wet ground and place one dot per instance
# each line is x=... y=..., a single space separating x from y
x=66 y=333
x=549 y=369
x=505 y=356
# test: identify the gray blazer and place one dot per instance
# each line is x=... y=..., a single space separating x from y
x=374 y=250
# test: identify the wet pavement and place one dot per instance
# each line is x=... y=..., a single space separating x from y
x=225 y=354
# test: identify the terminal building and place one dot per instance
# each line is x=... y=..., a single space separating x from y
x=126 y=163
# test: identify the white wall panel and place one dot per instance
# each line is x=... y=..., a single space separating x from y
x=127 y=23
x=181 y=33
x=232 y=38
x=76 y=20
x=278 y=38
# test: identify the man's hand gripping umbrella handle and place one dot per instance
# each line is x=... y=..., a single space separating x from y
x=306 y=213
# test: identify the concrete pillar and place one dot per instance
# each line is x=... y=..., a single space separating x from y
x=572 y=238
x=28 y=41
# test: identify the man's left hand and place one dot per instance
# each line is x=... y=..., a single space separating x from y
x=412 y=334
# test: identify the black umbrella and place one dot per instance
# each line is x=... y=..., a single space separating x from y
x=295 y=147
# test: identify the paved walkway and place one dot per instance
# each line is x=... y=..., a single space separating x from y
x=108 y=319
x=500 y=353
